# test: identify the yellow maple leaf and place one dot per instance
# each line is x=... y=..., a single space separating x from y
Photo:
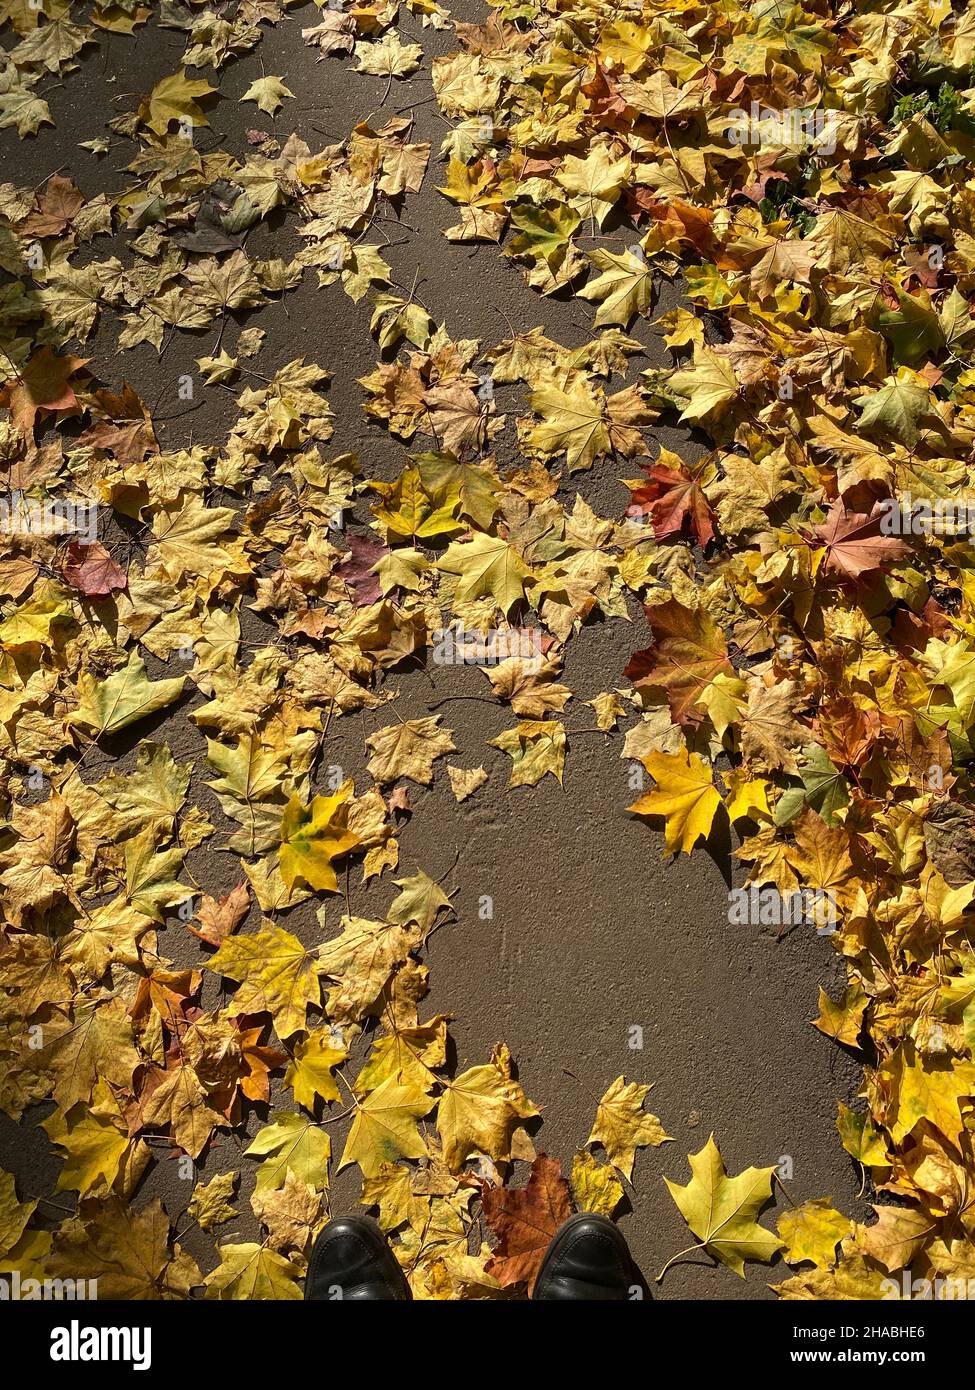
x=175 y=99
x=812 y=1231
x=595 y=1186
x=312 y=836
x=276 y=974
x=930 y=1089
x=536 y=746
x=408 y=749
x=722 y=1211
x=573 y=421
x=487 y=565
x=384 y=1129
x=685 y=796
x=252 y=1271
x=622 y=1125
x=312 y=1063
x=478 y=1112
x=709 y=385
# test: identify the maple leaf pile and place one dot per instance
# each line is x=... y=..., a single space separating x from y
x=806 y=670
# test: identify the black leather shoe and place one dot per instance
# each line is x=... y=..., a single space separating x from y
x=588 y=1259
x=351 y=1259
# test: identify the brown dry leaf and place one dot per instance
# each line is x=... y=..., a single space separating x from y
x=769 y=730
x=292 y=1215
x=525 y=1220
x=409 y=749
x=464 y=781
x=219 y=917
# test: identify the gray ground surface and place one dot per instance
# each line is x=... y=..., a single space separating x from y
x=593 y=930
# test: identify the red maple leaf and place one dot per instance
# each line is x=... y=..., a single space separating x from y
x=854 y=543
x=125 y=427
x=680 y=221
x=91 y=570
x=358 y=570
x=604 y=95
x=670 y=499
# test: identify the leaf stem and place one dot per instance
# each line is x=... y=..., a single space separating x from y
x=701 y=1245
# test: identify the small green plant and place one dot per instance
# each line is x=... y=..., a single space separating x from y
x=941 y=110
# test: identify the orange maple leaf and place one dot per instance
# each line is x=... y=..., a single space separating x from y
x=42 y=386
x=686 y=654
